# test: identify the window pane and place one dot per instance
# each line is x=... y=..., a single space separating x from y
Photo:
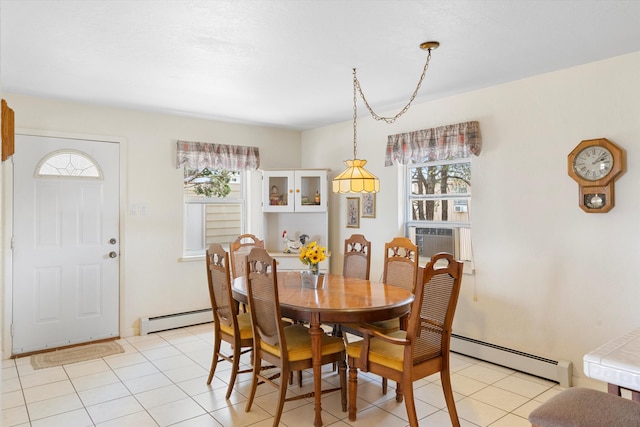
x=69 y=163
x=445 y=210
x=210 y=216
x=441 y=179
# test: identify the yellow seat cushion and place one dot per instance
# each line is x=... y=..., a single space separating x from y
x=244 y=324
x=380 y=352
x=299 y=344
x=385 y=326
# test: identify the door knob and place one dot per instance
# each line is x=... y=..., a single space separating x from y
x=112 y=254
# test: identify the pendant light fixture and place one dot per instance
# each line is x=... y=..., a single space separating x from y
x=356 y=179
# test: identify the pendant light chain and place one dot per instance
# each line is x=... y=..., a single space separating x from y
x=355 y=114
x=356 y=84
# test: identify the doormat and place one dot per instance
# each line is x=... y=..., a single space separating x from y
x=75 y=354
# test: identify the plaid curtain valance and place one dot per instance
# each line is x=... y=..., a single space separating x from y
x=441 y=143
x=199 y=155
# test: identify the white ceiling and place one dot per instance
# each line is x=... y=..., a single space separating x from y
x=288 y=63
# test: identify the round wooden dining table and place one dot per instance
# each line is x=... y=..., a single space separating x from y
x=339 y=300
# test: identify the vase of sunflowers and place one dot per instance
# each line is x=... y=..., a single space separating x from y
x=312 y=255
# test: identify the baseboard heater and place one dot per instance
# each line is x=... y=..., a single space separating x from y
x=176 y=320
x=554 y=370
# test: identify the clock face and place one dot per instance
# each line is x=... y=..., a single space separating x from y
x=593 y=163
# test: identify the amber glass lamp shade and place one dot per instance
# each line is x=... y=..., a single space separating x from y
x=356 y=179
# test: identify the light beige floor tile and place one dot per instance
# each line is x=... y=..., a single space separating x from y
x=43 y=376
x=12 y=399
x=155 y=342
x=202 y=421
x=136 y=371
x=77 y=418
x=177 y=411
x=197 y=386
x=9 y=372
x=160 y=396
x=399 y=409
x=137 y=419
x=160 y=352
x=214 y=399
x=524 y=410
x=500 y=398
x=86 y=368
x=433 y=395
x=543 y=397
x=98 y=379
x=234 y=415
x=126 y=359
x=10 y=385
x=54 y=406
x=441 y=419
x=511 y=420
x=103 y=393
x=47 y=391
x=24 y=366
x=373 y=416
x=464 y=385
x=114 y=409
x=483 y=374
x=187 y=373
x=522 y=386
x=148 y=382
x=8 y=363
x=14 y=416
x=477 y=412
x=176 y=361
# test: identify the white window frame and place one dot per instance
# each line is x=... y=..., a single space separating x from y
x=412 y=225
x=203 y=201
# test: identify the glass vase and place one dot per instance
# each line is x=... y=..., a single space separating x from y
x=314 y=269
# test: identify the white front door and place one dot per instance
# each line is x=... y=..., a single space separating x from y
x=66 y=242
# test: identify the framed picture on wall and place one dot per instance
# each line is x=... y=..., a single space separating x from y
x=369 y=205
x=353 y=212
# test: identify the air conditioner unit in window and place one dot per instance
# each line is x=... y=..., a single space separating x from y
x=430 y=240
x=460 y=208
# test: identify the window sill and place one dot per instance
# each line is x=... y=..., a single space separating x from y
x=186 y=258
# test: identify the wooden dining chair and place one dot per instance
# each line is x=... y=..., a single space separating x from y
x=239 y=249
x=286 y=347
x=357 y=257
x=421 y=350
x=400 y=269
x=228 y=325
x=357 y=263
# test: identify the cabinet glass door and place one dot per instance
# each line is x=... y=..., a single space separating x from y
x=310 y=190
x=278 y=192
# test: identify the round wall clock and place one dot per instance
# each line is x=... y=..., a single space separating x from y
x=594 y=164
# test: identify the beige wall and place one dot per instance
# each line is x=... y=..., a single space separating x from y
x=549 y=278
x=154 y=279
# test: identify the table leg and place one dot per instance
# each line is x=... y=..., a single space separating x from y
x=316 y=352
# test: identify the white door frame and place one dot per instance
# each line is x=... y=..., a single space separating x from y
x=7 y=230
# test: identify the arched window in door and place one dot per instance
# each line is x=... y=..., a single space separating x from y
x=68 y=163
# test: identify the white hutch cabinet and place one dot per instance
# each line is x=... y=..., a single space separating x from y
x=295 y=201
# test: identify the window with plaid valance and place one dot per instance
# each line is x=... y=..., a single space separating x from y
x=200 y=155
x=442 y=143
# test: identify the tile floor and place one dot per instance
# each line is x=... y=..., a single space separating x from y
x=160 y=380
